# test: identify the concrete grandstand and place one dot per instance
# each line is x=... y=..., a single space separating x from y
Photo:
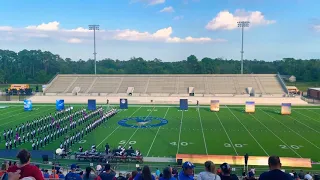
x=167 y=85
x=268 y=89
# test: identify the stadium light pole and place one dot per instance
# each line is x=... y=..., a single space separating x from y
x=242 y=25
x=94 y=27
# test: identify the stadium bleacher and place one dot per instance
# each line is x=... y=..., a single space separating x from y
x=236 y=84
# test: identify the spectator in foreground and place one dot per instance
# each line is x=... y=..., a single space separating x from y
x=72 y=175
x=293 y=174
x=88 y=175
x=4 y=168
x=275 y=172
x=46 y=174
x=54 y=176
x=187 y=171
x=157 y=173
x=13 y=176
x=128 y=175
x=61 y=175
x=145 y=175
x=308 y=176
x=107 y=174
x=121 y=177
x=209 y=173
x=301 y=174
x=25 y=168
x=133 y=175
x=99 y=169
x=167 y=175
x=226 y=172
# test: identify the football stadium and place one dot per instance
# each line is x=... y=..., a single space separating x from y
x=159 y=90
x=167 y=119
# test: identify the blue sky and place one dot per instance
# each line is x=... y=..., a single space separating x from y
x=167 y=29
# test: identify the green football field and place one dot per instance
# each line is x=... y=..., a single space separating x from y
x=228 y=132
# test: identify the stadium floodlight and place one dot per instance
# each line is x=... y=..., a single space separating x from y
x=242 y=25
x=94 y=27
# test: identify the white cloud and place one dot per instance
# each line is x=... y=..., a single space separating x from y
x=168 y=9
x=35 y=34
x=316 y=28
x=74 y=40
x=178 y=18
x=150 y=2
x=51 y=26
x=79 y=29
x=228 y=21
x=162 y=35
x=83 y=35
x=5 y=28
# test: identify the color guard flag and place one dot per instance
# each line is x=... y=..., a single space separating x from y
x=215 y=105
x=250 y=107
x=286 y=108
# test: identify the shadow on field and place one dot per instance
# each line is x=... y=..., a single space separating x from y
x=239 y=110
x=272 y=111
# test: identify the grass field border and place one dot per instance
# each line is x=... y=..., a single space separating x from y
x=301 y=117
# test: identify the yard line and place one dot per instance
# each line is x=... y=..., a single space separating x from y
x=276 y=136
x=204 y=139
x=290 y=129
x=304 y=124
x=227 y=134
x=156 y=134
x=308 y=116
x=313 y=111
x=137 y=128
x=23 y=117
x=248 y=131
x=117 y=128
x=180 y=133
x=17 y=115
x=11 y=111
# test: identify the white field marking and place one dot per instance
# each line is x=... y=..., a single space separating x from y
x=248 y=131
x=137 y=129
x=204 y=139
x=23 y=117
x=156 y=133
x=276 y=136
x=180 y=133
x=290 y=129
x=116 y=128
x=10 y=111
x=304 y=124
x=313 y=111
x=307 y=116
x=227 y=134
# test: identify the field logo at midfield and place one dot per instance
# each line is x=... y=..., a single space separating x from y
x=143 y=122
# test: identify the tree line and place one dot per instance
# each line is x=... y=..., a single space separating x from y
x=36 y=66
